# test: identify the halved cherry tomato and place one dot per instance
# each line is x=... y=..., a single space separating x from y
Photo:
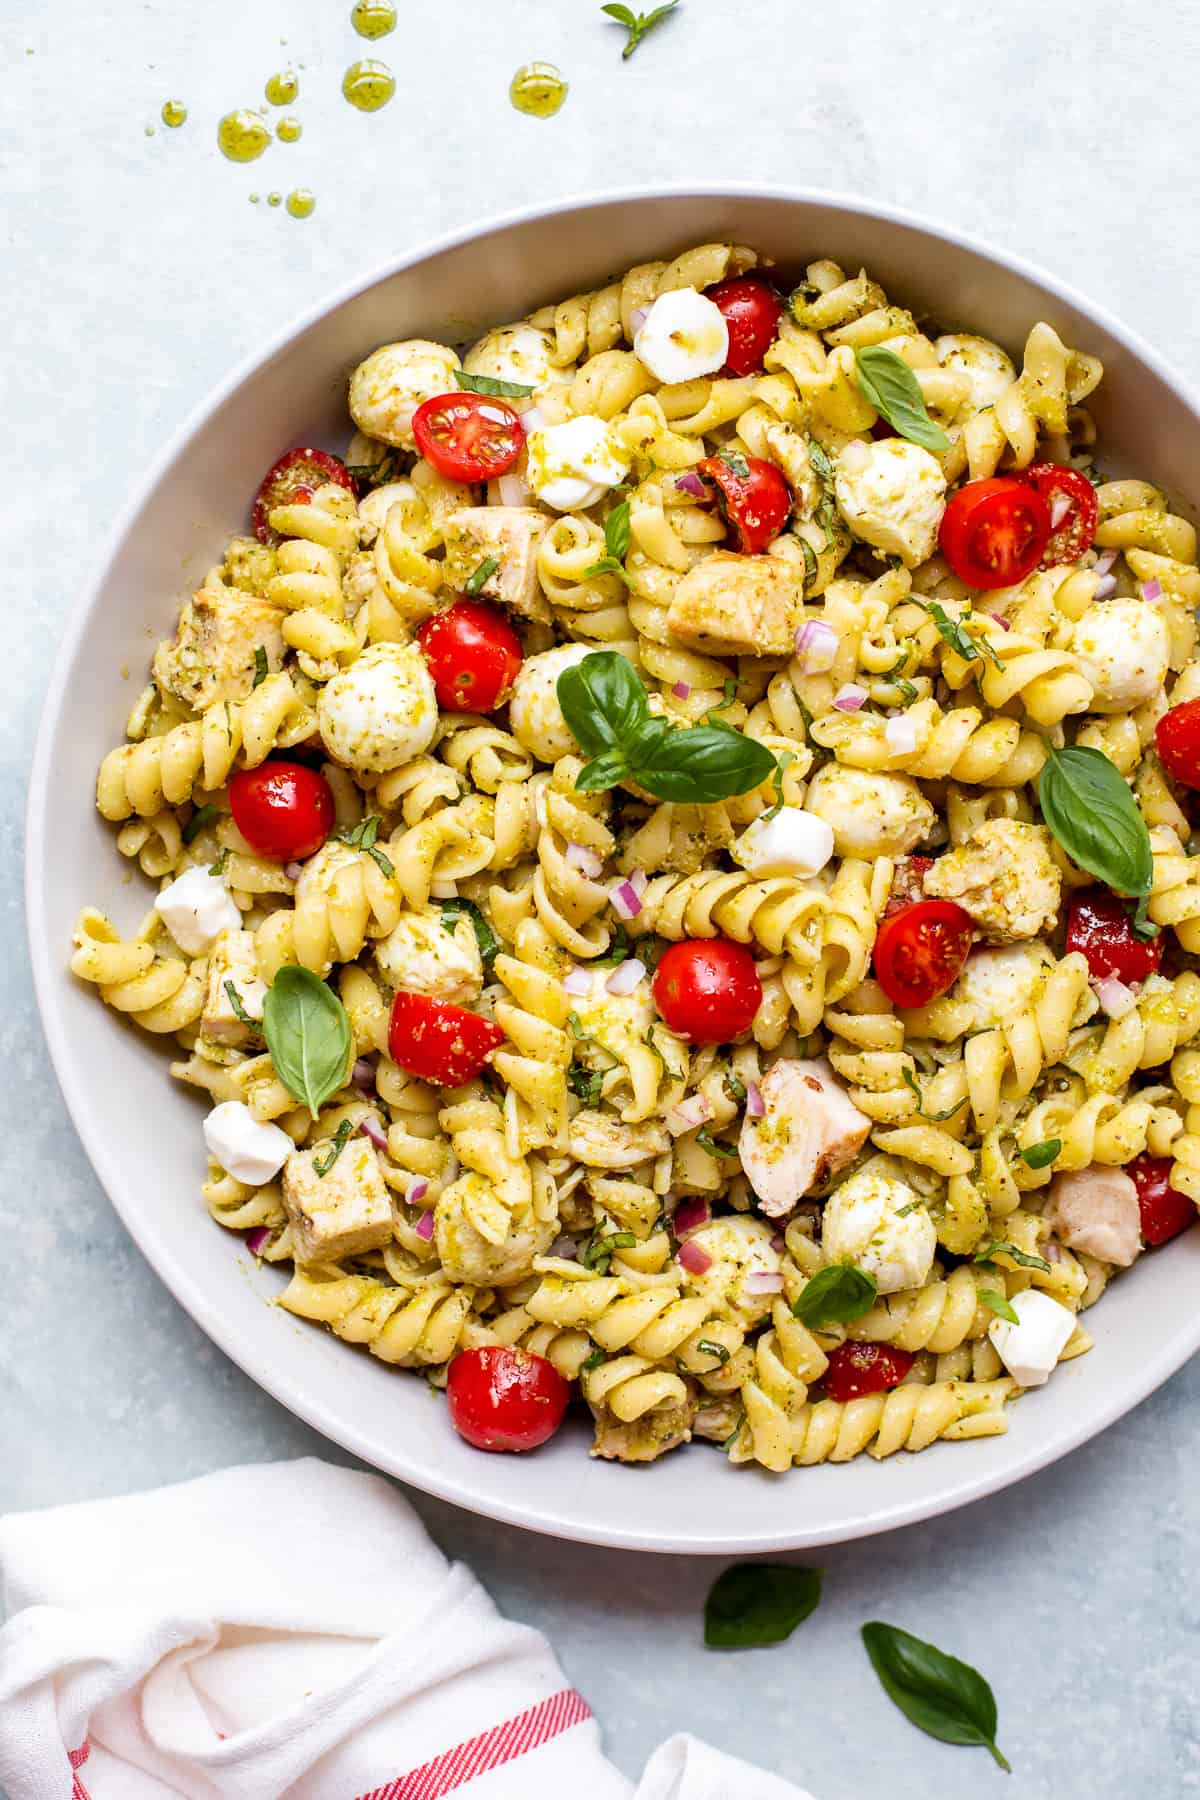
x=474 y=656
x=293 y=481
x=707 y=989
x=1098 y=924
x=438 y=1042
x=756 y=505
x=505 y=1399
x=1177 y=740
x=908 y=883
x=857 y=1369
x=1074 y=510
x=284 y=810
x=920 y=951
x=752 y=311
x=468 y=437
x=1164 y=1212
x=994 y=533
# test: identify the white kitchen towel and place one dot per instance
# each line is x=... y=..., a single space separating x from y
x=289 y=1629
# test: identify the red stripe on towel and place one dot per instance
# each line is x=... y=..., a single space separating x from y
x=502 y=1744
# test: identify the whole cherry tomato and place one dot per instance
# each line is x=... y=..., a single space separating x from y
x=1177 y=740
x=752 y=311
x=468 y=437
x=293 y=481
x=707 y=990
x=284 y=810
x=753 y=496
x=1098 y=924
x=908 y=883
x=1074 y=510
x=920 y=951
x=1165 y=1213
x=474 y=656
x=858 y=1369
x=439 y=1042
x=994 y=533
x=505 y=1399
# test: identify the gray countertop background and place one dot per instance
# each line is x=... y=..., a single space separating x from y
x=136 y=275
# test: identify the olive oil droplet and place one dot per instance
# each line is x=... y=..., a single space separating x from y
x=368 y=85
x=274 y=199
x=300 y=203
x=288 y=130
x=282 y=89
x=242 y=135
x=174 y=112
x=373 y=18
x=538 y=89
x=148 y=130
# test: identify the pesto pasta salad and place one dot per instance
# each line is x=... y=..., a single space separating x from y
x=673 y=866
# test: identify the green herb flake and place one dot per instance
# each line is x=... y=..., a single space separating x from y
x=222 y=863
x=735 y=1087
x=239 y=1010
x=821 y=461
x=1040 y=1156
x=308 y=1036
x=592 y=1362
x=480 y=574
x=946 y=1698
x=637 y=24
x=199 y=821
x=261 y=667
x=999 y=1247
x=487 y=384
x=996 y=1303
x=835 y=1295
x=341 y=1137
x=810 y=559
x=754 y=1604
x=708 y=1348
x=735 y=462
x=890 y=386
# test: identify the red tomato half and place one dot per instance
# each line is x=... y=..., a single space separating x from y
x=468 y=437
x=505 y=1399
x=707 y=989
x=1177 y=740
x=994 y=533
x=920 y=951
x=858 y=1369
x=752 y=311
x=756 y=505
x=1098 y=925
x=293 y=481
x=438 y=1042
x=1074 y=510
x=474 y=656
x=908 y=883
x=284 y=810
x=1164 y=1212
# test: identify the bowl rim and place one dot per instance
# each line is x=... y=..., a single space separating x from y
x=270 y=1373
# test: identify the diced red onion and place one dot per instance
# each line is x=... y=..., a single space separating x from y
x=816 y=646
x=363 y=1076
x=691 y=484
x=637 y=318
x=417 y=1192
x=1106 y=587
x=681 y=689
x=1003 y=623
x=424 y=1226
x=513 y=488
x=588 y=862
x=901 y=735
x=578 y=982
x=689 y=1215
x=1060 y=506
x=1152 y=590
x=850 y=698
x=688 y=1114
x=370 y=1127
x=764 y=1281
x=1105 y=561
x=624 y=979
x=533 y=419
x=1115 y=998
x=625 y=901
x=293 y=870
x=693 y=1258
x=755 y=1105
x=258 y=1239
x=778 y=1241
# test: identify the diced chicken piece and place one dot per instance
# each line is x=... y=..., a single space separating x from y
x=1096 y=1210
x=738 y=606
x=342 y=1212
x=644 y=1440
x=234 y=992
x=467 y=1255
x=810 y=1128
x=1006 y=878
x=603 y=1142
x=214 y=655
x=513 y=535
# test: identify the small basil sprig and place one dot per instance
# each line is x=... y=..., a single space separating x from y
x=637 y=24
x=487 y=384
x=835 y=1295
x=617 y=533
x=894 y=391
x=308 y=1036
x=606 y=707
x=996 y=1303
x=1089 y=808
x=946 y=1698
x=1040 y=1156
x=758 y=1603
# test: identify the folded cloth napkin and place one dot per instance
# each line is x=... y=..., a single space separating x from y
x=289 y=1629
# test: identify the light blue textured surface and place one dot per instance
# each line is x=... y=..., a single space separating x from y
x=136 y=275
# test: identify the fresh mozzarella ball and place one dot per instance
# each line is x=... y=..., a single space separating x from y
x=386 y=389
x=196 y=909
x=739 y=1247
x=793 y=842
x=999 y=984
x=533 y=711
x=865 y=1223
x=423 y=957
x=1030 y=1349
x=871 y=814
x=683 y=336
x=984 y=364
x=1124 y=651
x=892 y=494
x=381 y=711
x=245 y=1148
x=519 y=353
x=574 y=464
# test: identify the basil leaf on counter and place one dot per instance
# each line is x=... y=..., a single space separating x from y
x=946 y=1698
x=308 y=1036
x=758 y=1603
x=1087 y=805
x=894 y=391
x=835 y=1295
x=487 y=384
x=1040 y=1156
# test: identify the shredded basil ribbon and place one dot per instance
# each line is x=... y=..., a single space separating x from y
x=308 y=1036
x=487 y=384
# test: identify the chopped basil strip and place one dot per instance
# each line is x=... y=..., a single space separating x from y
x=934 y=1118
x=722 y=1152
x=711 y=1349
x=485 y=937
x=999 y=1246
x=995 y=1302
x=487 y=384
x=202 y=817
x=261 y=667
x=341 y=1137
x=239 y=1011
x=1040 y=1156
x=480 y=574
x=759 y=1603
x=586 y=1084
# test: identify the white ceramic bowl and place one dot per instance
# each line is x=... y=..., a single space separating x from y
x=142 y=1131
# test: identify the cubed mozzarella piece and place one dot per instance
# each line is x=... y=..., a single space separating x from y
x=386 y=389
x=196 y=909
x=244 y=1146
x=233 y=965
x=513 y=536
x=788 y=842
x=534 y=714
x=809 y=1128
x=736 y=605
x=516 y=353
x=433 y=953
x=214 y=654
x=682 y=337
x=381 y=711
x=1005 y=877
x=573 y=465
x=871 y=814
x=998 y=985
x=988 y=370
x=740 y=1247
x=341 y=1213
x=1096 y=1210
x=892 y=494
x=1030 y=1349
x=881 y=1224
x=1124 y=650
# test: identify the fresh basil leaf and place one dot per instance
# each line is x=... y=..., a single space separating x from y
x=996 y=1303
x=752 y=1604
x=934 y=1118
x=702 y=764
x=608 y=565
x=602 y=772
x=481 y=574
x=261 y=667
x=1090 y=810
x=341 y=1137
x=239 y=1011
x=894 y=391
x=487 y=384
x=946 y=1698
x=202 y=817
x=617 y=531
x=485 y=937
x=619 y=950
x=1040 y=1156
x=1020 y=1257
x=308 y=1036
x=835 y=1295
x=602 y=701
